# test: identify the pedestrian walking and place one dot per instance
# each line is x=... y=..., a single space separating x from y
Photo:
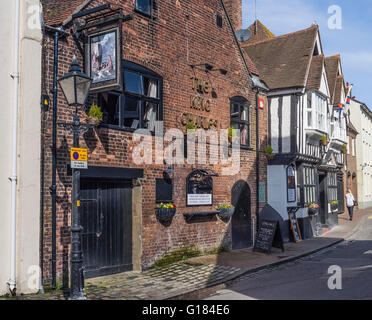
x=350 y=202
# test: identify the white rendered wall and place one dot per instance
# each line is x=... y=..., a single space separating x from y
x=28 y=187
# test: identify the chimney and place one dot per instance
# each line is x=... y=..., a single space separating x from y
x=234 y=10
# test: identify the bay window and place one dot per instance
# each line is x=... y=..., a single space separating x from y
x=139 y=105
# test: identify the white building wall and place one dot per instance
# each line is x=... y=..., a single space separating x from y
x=277 y=189
x=363 y=123
x=286 y=124
x=274 y=124
x=28 y=187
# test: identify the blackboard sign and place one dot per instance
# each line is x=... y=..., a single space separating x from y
x=268 y=236
x=294 y=224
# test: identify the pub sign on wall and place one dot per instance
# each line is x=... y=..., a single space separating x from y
x=103 y=58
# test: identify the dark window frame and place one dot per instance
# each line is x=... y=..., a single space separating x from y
x=141 y=98
x=309 y=183
x=150 y=15
x=332 y=187
x=219 y=18
x=242 y=102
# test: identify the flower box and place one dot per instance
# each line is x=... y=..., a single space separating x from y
x=270 y=156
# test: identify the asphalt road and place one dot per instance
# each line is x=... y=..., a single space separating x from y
x=308 y=278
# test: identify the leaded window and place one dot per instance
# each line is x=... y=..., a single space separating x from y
x=309 y=185
x=332 y=186
x=239 y=117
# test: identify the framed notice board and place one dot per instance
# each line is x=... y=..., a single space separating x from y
x=293 y=222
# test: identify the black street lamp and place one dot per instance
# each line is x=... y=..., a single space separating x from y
x=75 y=86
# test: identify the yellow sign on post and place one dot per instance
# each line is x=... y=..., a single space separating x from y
x=79 y=158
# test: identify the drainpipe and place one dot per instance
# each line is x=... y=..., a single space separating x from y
x=58 y=33
x=257 y=159
x=13 y=178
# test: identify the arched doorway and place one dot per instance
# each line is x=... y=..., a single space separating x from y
x=241 y=227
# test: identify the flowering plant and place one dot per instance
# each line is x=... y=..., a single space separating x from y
x=166 y=206
x=334 y=202
x=314 y=206
x=225 y=206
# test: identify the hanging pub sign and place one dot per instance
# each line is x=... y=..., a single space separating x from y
x=199 y=189
x=103 y=58
x=291 y=184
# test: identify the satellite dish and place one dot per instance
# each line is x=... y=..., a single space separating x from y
x=243 y=35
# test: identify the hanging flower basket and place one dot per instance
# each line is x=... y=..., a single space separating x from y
x=225 y=211
x=334 y=206
x=313 y=211
x=95 y=122
x=165 y=212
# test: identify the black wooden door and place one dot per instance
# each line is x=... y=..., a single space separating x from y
x=323 y=200
x=106 y=218
x=241 y=220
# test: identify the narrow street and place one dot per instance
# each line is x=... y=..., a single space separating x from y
x=308 y=278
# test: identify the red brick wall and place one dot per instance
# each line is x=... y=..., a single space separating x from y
x=234 y=10
x=351 y=183
x=178 y=34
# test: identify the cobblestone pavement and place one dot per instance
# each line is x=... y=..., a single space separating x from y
x=154 y=284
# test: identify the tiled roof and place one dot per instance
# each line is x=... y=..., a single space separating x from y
x=259 y=33
x=284 y=61
x=57 y=11
x=332 y=71
x=251 y=66
x=315 y=75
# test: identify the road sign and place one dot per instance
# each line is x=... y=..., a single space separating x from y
x=79 y=158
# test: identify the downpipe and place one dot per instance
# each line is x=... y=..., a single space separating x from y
x=15 y=76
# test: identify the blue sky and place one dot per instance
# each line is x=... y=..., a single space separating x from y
x=353 y=41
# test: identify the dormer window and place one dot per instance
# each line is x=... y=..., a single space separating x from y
x=144 y=6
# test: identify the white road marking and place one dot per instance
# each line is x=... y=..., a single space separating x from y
x=368 y=252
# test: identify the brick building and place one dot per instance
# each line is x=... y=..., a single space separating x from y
x=180 y=63
x=351 y=162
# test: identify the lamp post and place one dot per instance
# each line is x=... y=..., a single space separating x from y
x=75 y=86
